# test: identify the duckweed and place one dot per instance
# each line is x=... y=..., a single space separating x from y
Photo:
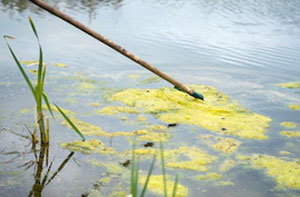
x=290 y=133
x=286 y=173
x=294 y=106
x=209 y=176
x=227 y=145
x=288 y=124
x=217 y=113
x=291 y=85
x=111 y=110
x=156 y=185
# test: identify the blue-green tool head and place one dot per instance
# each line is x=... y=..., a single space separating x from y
x=195 y=94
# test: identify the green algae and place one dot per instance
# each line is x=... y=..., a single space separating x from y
x=151 y=79
x=73 y=101
x=294 y=106
x=111 y=167
x=86 y=86
x=288 y=124
x=89 y=129
x=133 y=76
x=141 y=118
x=29 y=62
x=195 y=158
x=61 y=65
x=227 y=145
x=227 y=165
x=290 y=133
x=217 y=113
x=88 y=147
x=209 y=176
x=156 y=185
x=24 y=111
x=285 y=173
x=291 y=85
x=95 y=104
x=111 y=110
x=284 y=153
x=154 y=137
x=32 y=71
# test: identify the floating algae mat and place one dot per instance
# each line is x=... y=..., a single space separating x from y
x=217 y=113
x=88 y=147
x=286 y=173
x=291 y=85
x=156 y=185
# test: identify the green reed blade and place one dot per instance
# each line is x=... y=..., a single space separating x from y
x=175 y=185
x=70 y=122
x=136 y=176
x=48 y=104
x=132 y=177
x=21 y=69
x=148 y=176
x=33 y=27
x=163 y=167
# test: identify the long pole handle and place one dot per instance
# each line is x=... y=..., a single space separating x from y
x=116 y=47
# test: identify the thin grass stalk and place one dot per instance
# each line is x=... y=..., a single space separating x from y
x=175 y=185
x=132 y=176
x=163 y=167
x=148 y=177
x=136 y=174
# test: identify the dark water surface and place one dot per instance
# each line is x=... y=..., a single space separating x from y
x=243 y=48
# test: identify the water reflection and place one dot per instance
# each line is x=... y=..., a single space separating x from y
x=87 y=6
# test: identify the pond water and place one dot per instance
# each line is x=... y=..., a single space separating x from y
x=242 y=48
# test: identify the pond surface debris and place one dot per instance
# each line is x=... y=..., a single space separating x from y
x=217 y=113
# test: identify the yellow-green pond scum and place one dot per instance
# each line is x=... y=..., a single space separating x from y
x=286 y=173
x=217 y=113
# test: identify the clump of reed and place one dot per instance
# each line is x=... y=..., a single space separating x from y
x=39 y=94
x=134 y=177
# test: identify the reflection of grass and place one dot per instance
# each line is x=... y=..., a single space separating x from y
x=38 y=92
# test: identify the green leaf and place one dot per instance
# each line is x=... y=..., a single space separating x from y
x=33 y=27
x=175 y=185
x=163 y=167
x=48 y=104
x=148 y=177
x=70 y=122
x=22 y=70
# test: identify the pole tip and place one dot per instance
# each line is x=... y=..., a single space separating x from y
x=197 y=95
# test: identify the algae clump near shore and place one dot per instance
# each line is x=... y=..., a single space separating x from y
x=217 y=113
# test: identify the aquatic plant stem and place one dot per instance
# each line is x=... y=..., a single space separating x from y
x=116 y=47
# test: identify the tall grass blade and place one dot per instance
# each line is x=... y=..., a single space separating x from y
x=48 y=104
x=22 y=70
x=148 y=177
x=163 y=167
x=70 y=122
x=33 y=27
x=136 y=176
x=175 y=186
x=132 y=173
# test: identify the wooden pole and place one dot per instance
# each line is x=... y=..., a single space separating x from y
x=116 y=47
